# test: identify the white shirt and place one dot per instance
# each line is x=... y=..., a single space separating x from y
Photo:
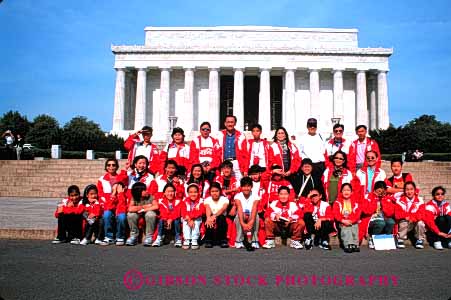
x=145 y=150
x=215 y=206
x=258 y=150
x=246 y=203
x=312 y=146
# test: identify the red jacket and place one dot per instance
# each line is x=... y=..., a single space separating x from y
x=105 y=185
x=362 y=175
x=240 y=152
x=432 y=211
x=233 y=184
x=157 y=185
x=290 y=209
x=331 y=148
x=322 y=210
x=191 y=209
x=205 y=150
x=371 y=145
x=346 y=177
x=169 y=210
x=178 y=153
x=94 y=208
x=131 y=145
x=121 y=203
x=272 y=192
x=78 y=208
x=275 y=157
x=247 y=159
x=353 y=216
x=369 y=205
x=415 y=213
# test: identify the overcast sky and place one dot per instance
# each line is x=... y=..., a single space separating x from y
x=56 y=57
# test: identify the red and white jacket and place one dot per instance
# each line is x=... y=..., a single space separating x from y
x=78 y=207
x=369 y=205
x=94 y=208
x=105 y=185
x=415 y=212
x=203 y=191
x=193 y=210
x=432 y=210
x=240 y=152
x=346 y=177
x=207 y=149
x=249 y=158
x=362 y=175
x=157 y=185
x=340 y=214
x=287 y=210
x=177 y=152
x=153 y=155
x=146 y=178
x=233 y=185
x=322 y=210
x=371 y=145
x=169 y=210
x=331 y=148
x=119 y=203
x=275 y=157
x=272 y=192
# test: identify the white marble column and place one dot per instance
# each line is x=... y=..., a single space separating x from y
x=140 y=110
x=382 y=99
x=314 y=94
x=238 y=98
x=373 y=107
x=288 y=107
x=213 y=93
x=119 y=101
x=165 y=83
x=338 y=110
x=188 y=107
x=264 y=103
x=361 y=99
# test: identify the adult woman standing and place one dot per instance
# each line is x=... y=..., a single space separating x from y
x=178 y=151
x=285 y=154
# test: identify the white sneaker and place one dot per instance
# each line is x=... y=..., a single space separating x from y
x=438 y=245
x=296 y=244
x=57 y=241
x=75 y=241
x=269 y=244
x=147 y=241
x=157 y=242
x=178 y=243
x=255 y=245
x=120 y=242
x=98 y=242
x=194 y=244
x=370 y=243
x=239 y=245
x=186 y=244
x=106 y=242
x=85 y=242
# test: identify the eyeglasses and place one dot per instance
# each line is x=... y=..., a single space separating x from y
x=370 y=157
x=338 y=131
x=111 y=165
x=205 y=129
x=314 y=195
x=439 y=194
x=339 y=158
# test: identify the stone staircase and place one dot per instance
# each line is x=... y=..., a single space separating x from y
x=50 y=178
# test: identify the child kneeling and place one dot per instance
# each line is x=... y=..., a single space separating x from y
x=347 y=213
x=283 y=214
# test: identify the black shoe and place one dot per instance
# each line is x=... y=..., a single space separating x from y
x=308 y=243
x=224 y=244
x=355 y=248
x=348 y=249
x=208 y=244
x=248 y=245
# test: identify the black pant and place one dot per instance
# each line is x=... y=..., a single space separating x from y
x=69 y=226
x=93 y=228
x=444 y=225
x=318 y=170
x=219 y=233
x=322 y=233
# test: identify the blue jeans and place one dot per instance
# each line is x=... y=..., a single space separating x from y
x=175 y=226
x=121 y=221
x=381 y=226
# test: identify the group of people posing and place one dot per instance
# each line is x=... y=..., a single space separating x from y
x=232 y=191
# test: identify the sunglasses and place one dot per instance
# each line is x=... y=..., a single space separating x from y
x=371 y=158
x=205 y=129
x=338 y=131
x=339 y=158
x=111 y=165
x=439 y=194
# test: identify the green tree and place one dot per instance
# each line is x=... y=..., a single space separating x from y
x=44 y=132
x=81 y=134
x=14 y=121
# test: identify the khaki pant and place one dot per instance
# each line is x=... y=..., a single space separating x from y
x=273 y=228
x=405 y=227
x=150 y=217
x=239 y=230
x=349 y=234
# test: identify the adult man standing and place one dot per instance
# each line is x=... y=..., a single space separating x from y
x=135 y=146
x=337 y=142
x=359 y=148
x=231 y=142
x=312 y=146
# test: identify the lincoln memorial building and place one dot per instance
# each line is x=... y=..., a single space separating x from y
x=274 y=76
